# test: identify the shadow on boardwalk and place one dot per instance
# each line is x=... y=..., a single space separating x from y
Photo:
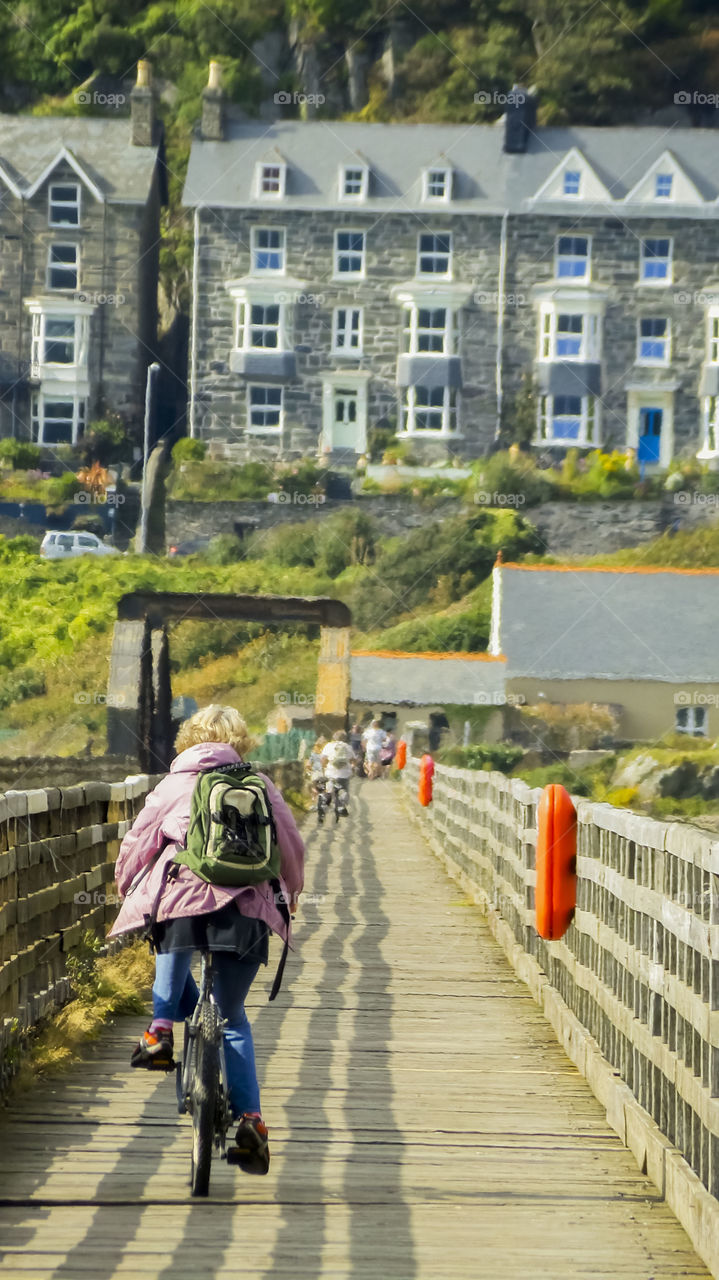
x=424 y=1123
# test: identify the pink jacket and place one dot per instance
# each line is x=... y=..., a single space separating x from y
x=163 y=821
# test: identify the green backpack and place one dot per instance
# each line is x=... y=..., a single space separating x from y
x=231 y=839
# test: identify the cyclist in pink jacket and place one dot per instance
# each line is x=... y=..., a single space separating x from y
x=234 y=923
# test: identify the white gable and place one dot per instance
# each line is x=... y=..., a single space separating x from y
x=591 y=187
x=65 y=156
x=681 y=191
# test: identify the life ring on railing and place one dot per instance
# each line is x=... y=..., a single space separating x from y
x=426 y=774
x=556 y=862
x=401 y=755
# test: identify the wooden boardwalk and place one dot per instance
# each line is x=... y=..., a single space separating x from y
x=424 y=1122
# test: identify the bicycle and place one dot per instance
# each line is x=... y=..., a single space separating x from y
x=334 y=795
x=201 y=1081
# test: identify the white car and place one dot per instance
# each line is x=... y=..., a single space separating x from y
x=62 y=546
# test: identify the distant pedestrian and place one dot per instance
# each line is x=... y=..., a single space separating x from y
x=374 y=739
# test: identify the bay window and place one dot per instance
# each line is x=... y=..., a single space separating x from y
x=567 y=420
x=56 y=419
x=430 y=330
x=433 y=410
x=566 y=335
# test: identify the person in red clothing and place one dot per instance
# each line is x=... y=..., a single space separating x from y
x=233 y=923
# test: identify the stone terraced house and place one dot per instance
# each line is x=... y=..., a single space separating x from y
x=79 y=239
x=350 y=274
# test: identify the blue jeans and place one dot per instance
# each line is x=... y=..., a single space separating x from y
x=174 y=996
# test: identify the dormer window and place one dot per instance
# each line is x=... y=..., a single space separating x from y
x=354 y=182
x=271 y=180
x=572 y=182
x=437 y=184
x=64 y=204
x=663 y=186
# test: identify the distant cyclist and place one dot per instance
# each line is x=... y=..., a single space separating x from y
x=315 y=768
x=338 y=757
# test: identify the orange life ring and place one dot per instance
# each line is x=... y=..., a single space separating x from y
x=556 y=862
x=426 y=774
x=401 y=756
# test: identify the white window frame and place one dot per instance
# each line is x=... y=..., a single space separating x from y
x=244 y=325
x=696 y=725
x=40 y=340
x=449 y=410
x=668 y=195
x=573 y=257
x=64 y=204
x=664 y=359
x=354 y=196
x=710 y=428
x=38 y=416
x=428 y=196
x=342 y=347
x=413 y=330
x=434 y=254
x=589 y=351
x=713 y=336
x=656 y=282
x=588 y=416
x=263 y=167
x=571 y=195
x=261 y=429
x=341 y=253
x=60 y=266
x=255 y=248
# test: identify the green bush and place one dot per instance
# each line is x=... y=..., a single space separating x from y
x=303 y=477
x=22 y=683
x=89 y=524
x=343 y=539
x=189 y=450
x=438 y=563
x=459 y=633
x=285 y=544
x=379 y=440
x=482 y=755
x=559 y=774
x=106 y=441
x=23 y=455
x=207 y=481
x=62 y=489
x=226 y=548
x=510 y=479
x=600 y=475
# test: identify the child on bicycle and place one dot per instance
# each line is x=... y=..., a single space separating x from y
x=315 y=769
x=338 y=757
x=191 y=914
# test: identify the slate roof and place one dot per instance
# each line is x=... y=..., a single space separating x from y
x=568 y=623
x=122 y=172
x=421 y=680
x=486 y=179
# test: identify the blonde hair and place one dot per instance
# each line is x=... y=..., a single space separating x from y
x=215 y=724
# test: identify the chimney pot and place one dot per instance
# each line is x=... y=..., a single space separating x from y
x=212 y=126
x=142 y=109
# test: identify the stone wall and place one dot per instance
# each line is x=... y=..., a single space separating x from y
x=568 y=528
x=632 y=988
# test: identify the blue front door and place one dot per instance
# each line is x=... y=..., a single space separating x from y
x=650 y=435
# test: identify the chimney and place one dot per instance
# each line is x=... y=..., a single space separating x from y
x=142 y=108
x=212 y=127
x=519 y=119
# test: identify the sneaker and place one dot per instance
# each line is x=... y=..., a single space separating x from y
x=154 y=1051
x=252 y=1152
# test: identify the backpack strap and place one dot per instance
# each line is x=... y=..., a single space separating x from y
x=285 y=913
x=169 y=872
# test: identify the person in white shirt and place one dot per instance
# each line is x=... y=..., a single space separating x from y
x=337 y=757
x=374 y=739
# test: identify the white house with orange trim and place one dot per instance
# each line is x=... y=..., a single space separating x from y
x=641 y=639
x=402 y=687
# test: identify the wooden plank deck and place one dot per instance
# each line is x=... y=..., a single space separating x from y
x=425 y=1125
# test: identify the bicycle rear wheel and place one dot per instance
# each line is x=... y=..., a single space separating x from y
x=205 y=1085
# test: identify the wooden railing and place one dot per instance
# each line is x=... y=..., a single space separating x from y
x=632 y=988
x=57 y=857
